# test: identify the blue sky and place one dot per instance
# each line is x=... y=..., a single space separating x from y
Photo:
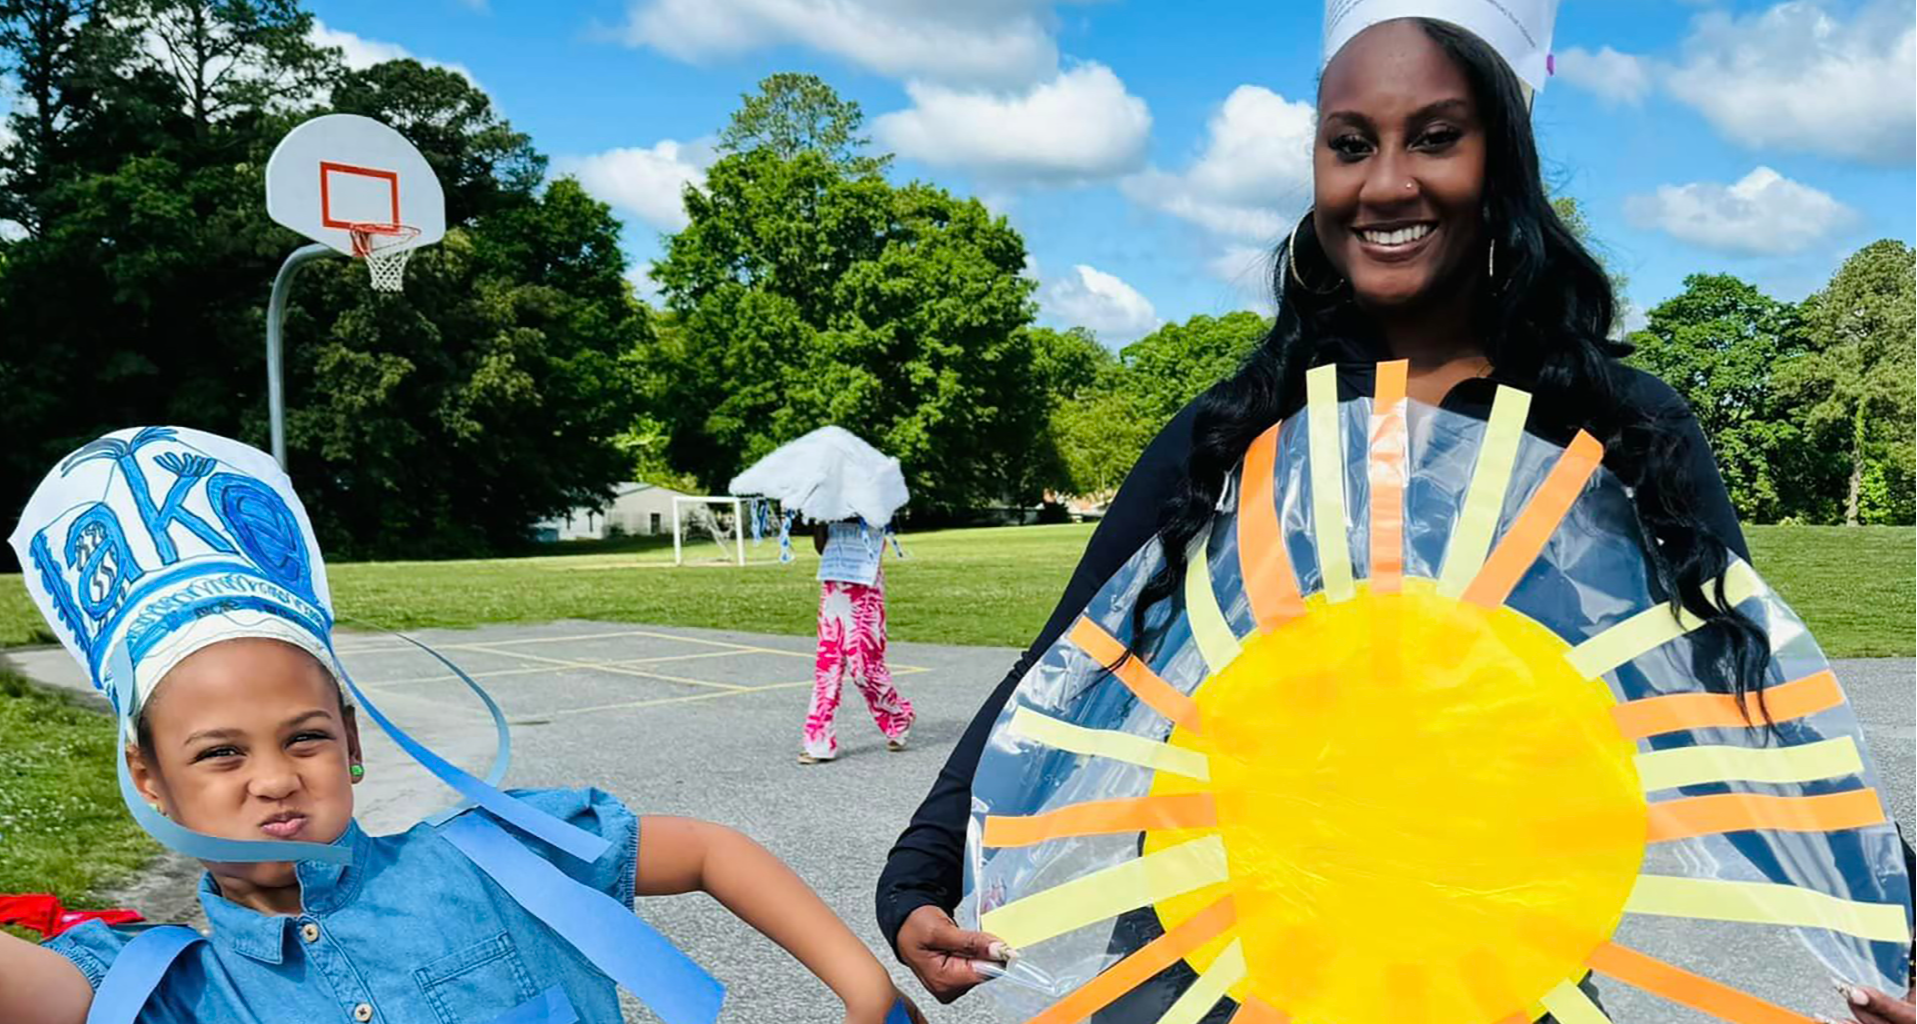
x=1152 y=152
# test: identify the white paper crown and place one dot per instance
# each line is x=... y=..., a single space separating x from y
x=151 y=543
x=1520 y=30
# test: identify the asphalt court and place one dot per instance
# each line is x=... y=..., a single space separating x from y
x=569 y=669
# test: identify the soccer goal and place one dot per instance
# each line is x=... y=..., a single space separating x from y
x=721 y=519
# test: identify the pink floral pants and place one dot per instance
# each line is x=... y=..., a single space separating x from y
x=852 y=642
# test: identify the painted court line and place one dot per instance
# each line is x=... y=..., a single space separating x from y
x=615 y=669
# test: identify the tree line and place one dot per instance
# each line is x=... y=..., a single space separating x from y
x=519 y=376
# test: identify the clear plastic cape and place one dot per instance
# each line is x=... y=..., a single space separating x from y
x=1419 y=745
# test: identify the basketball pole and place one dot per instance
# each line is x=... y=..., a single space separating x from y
x=275 y=345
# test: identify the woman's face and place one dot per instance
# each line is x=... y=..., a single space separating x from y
x=1398 y=170
x=248 y=741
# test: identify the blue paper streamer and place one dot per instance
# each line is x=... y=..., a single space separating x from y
x=575 y=841
x=611 y=935
x=548 y=1007
x=137 y=971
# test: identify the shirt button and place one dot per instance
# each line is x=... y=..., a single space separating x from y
x=363 y=1012
x=309 y=931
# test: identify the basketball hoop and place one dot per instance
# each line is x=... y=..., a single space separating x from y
x=379 y=245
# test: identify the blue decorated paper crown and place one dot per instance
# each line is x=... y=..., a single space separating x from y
x=151 y=543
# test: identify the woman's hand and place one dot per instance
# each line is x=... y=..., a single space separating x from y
x=1869 y=1006
x=947 y=958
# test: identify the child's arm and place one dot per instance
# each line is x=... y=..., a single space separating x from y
x=678 y=855
x=39 y=986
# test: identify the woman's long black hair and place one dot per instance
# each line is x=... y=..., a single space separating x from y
x=1546 y=322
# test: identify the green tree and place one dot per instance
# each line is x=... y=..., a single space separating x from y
x=443 y=421
x=795 y=113
x=1101 y=428
x=1720 y=343
x=1854 y=390
x=809 y=290
x=228 y=57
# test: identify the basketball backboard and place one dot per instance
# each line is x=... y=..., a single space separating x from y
x=342 y=175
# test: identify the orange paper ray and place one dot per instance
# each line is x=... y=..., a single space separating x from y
x=1102 y=817
x=1137 y=676
x=1269 y=581
x=1684 y=988
x=1390 y=449
x=1534 y=526
x=1145 y=961
x=1256 y=1011
x=1737 y=812
x=1679 y=711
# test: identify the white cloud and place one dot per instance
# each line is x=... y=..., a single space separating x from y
x=1092 y=298
x=1617 y=77
x=1254 y=176
x=1797 y=77
x=1002 y=43
x=648 y=183
x=361 y=52
x=1080 y=125
x=1764 y=214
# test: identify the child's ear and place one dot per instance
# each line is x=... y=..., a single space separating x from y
x=350 y=718
x=146 y=778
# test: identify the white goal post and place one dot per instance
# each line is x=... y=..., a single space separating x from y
x=738 y=523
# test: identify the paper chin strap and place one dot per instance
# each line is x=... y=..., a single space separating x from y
x=1519 y=30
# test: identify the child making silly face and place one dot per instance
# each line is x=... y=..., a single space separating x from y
x=250 y=739
x=180 y=569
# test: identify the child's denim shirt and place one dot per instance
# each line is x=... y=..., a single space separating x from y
x=410 y=933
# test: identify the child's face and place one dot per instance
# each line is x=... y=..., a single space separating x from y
x=248 y=741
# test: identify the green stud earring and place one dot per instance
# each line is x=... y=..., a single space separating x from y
x=356 y=772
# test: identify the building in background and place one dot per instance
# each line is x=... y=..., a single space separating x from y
x=636 y=509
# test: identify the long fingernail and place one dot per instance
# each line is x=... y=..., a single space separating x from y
x=987 y=969
x=1002 y=952
x=1859 y=997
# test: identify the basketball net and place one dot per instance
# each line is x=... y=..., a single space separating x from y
x=379 y=245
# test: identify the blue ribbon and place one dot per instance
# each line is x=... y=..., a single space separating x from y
x=898 y=1014
x=137 y=971
x=892 y=534
x=785 y=537
x=548 y=1007
x=576 y=841
x=609 y=934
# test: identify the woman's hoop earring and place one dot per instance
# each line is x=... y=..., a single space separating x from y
x=1291 y=257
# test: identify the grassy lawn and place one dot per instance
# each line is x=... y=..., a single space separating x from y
x=1856 y=587
x=62 y=827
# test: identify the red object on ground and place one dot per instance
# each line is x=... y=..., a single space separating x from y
x=45 y=914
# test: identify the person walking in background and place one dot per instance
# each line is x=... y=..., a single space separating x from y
x=851 y=639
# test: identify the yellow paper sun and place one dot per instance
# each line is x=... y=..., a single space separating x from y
x=1401 y=801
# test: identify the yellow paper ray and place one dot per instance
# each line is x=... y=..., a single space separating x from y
x=1808 y=762
x=1570 y=1005
x=1484 y=502
x=1201 y=995
x=1714 y=899
x=1654 y=627
x=1119 y=746
x=1108 y=893
x=1328 y=482
x=1216 y=642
